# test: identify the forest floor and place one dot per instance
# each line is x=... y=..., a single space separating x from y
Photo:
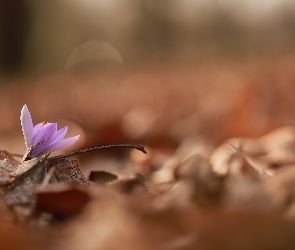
x=219 y=172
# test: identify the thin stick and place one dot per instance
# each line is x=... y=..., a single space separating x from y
x=138 y=147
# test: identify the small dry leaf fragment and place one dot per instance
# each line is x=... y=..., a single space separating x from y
x=67 y=172
x=102 y=177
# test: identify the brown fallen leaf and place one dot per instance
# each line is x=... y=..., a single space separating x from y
x=66 y=172
x=61 y=201
x=239 y=157
x=18 y=182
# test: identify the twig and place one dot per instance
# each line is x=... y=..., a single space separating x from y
x=138 y=147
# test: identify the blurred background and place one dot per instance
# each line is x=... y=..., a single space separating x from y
x=147 y=71
x=38 y=37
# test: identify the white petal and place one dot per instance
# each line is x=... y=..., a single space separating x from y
x=27 y=125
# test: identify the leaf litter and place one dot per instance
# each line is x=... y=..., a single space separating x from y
x=192 y=195
x=181 y=204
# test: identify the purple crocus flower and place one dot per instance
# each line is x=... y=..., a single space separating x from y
x=44 y=137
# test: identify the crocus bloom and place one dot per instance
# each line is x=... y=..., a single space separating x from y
x=43 y=137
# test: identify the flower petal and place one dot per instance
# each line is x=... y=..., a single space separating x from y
x=61 y=144
x=27 y=125
x=46 y=134
x=60 y=134
x=37 y=127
